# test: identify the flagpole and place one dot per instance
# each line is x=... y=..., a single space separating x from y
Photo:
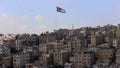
x=56 y=19
x=58 y=9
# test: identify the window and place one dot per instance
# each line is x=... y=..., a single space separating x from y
x=14 y=60
x=17 y=57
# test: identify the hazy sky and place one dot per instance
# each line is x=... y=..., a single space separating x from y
x=36 y=16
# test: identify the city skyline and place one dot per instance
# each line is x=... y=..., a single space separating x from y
x=36 y=16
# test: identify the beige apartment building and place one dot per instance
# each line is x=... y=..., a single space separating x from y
x=6 y=61
x=118 y=33
x=67 y=47
x=96 y=40
x=32 y=65
x=105 y=54
x=83 y=59
x=45 y=48
x=46 y=58
x=118 y=56
x=60 y=58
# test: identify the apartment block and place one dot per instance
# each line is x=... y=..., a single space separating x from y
x=83 y=59
x=19 y=60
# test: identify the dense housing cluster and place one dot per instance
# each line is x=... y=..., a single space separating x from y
x=87 y=47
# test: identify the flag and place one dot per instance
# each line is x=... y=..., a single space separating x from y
x=60 y=10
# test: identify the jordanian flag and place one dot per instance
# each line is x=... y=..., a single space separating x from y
x=60 y=10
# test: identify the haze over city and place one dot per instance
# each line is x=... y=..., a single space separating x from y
x=36 y=16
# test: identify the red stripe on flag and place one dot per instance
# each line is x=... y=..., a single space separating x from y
x=58 y=9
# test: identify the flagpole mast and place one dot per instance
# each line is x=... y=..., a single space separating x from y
x=56 y=19
x=58 y=9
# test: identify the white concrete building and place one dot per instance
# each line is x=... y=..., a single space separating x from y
x=18 y=44
x=19 y=60
x=69 y=65
x=27 y=49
